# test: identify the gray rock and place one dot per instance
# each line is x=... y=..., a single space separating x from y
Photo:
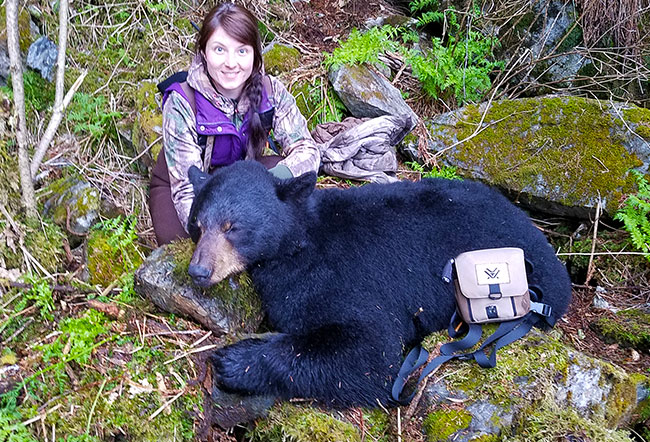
x=4 y=65
x=367 y=93
x=41 y=57
x=155 y=280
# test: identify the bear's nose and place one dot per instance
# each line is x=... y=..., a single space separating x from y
x=198 y=273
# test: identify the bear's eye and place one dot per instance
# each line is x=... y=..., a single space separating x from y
x=226 y=227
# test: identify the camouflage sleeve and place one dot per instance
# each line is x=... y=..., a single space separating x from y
x=181 y=151
x=291 y=132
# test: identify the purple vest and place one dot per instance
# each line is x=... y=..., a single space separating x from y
x=229 y=142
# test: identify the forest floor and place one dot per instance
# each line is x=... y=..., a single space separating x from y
x=137 y=345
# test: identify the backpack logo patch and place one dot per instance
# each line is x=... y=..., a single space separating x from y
x=492 y=273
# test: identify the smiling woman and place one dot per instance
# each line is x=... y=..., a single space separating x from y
x=224 y=113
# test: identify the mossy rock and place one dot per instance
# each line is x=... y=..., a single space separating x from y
x=230 y=307
x=628 y=328
x=299 y=423
x=42 y=240
x=73 y=204
x=147 y=127
x=539 y=386
x=281 y=59
x=558 y=154
x=107 y=261
x=442 y=424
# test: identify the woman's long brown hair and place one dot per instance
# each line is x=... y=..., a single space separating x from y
x=240 y=24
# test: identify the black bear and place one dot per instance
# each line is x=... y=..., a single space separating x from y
x=349 y=278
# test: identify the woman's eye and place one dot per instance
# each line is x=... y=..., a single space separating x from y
x=218 y=50
x=243 y=51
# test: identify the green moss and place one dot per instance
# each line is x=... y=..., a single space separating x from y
x=122 y=410
x=639 y=118
x=281 y=59
x=24 y=30
x=545 y=421
x=106 y=263
x=146 y=127
x=623 y=395
x=378 y=425
x=237 y=292
x=303 y=424
x=442 y=424
x=42 y=240
x=628 y=328
x=563 y=145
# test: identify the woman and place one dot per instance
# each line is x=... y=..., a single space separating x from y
x=221 y=114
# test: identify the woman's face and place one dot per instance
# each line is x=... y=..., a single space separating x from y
x=230 y=63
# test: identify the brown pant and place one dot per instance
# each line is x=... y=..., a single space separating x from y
x=166 y=224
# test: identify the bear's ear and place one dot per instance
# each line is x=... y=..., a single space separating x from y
x=296 y=189
x=197 y=178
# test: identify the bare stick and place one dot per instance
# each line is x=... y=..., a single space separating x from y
x=60 y=103
x=590 y=267
x=16 y=69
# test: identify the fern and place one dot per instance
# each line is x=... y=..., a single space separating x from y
x=462 y=66
x=90 y=115
x=121 y=235
x=11 y=427
x=40 y=294
x=363 y=47
x=635 y=215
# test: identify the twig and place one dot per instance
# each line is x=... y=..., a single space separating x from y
x=203 y=338
x=196 y=350
x=399 y=425
x=19 y=331
x=60 y=102
x=165 y=405
x=590 y=266
x=42 y=415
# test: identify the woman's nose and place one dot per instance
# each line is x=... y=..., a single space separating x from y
x=230 y=60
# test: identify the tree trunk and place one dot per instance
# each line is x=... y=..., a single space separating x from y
x=16 y=69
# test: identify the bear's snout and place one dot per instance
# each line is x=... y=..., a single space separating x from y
x=200 y=275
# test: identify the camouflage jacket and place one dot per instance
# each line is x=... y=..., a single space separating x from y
x=180 y=139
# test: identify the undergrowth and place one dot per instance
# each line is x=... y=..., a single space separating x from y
x=446 y=172
x=635 y=215
x=457 y=65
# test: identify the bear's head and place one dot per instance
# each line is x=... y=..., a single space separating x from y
x=242 y=215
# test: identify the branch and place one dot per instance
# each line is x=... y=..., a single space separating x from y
x=60 y=103
x=16 y=69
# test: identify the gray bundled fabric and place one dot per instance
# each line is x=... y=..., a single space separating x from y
x=362 y=149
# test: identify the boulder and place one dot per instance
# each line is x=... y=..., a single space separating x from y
x=539 y=385
x=41 y=57
x=366 y=93
x=229 y=307
x=73 y=204
x=556 y=154
x=280 y=58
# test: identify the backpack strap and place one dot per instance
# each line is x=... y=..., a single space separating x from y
x=189 y=92
x=506 y=333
